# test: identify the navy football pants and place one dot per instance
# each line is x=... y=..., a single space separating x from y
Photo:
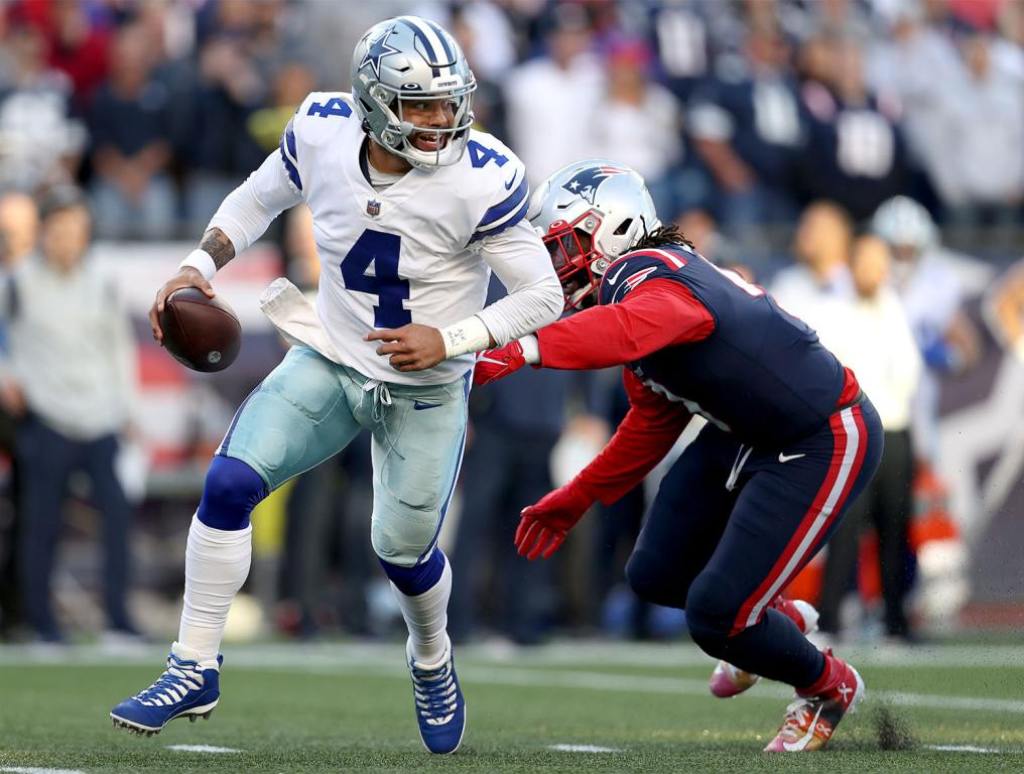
x=732 y=525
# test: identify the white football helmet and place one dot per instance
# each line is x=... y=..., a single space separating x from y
x=405 y=59
x=588 y=214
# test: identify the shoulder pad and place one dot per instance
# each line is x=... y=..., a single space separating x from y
x=496 y=179
x=631 y=269
x=322 y=115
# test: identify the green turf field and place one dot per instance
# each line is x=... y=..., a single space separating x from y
x=344 y=707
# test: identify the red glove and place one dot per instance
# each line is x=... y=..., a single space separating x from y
x=498 y=363
x=543 y=527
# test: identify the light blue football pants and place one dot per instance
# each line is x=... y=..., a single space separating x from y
x=308 y=409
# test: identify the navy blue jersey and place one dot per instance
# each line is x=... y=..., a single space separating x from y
x=762 y=374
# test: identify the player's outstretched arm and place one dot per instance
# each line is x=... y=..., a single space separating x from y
x=657 y=314
x=644 y=437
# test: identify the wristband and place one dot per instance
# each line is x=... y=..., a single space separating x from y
x=201 y=261
x=531 y=348
x=465 y=336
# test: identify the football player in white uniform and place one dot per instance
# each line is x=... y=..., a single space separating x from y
x=412 y=209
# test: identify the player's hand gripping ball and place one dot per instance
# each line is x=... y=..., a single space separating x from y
x=200 y=332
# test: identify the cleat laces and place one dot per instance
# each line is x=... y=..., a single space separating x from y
x=172 y=686
x=435 y=693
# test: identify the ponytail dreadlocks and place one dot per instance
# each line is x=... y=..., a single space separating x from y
x=662 y=236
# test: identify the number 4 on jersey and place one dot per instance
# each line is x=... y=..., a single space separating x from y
x=332 y=107
x=382 y=251
x=479 y=155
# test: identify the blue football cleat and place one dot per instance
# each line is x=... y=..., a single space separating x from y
x=440 y=708
x=185 y=688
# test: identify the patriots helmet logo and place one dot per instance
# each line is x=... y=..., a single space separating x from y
x=586 y=182
x=377 y=50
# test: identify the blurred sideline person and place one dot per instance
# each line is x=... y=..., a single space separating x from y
x=810 y=288
x=790 y=441
x=872 y=336
x=412 y=210
x=932 y=297
x=19 y=231
x=70 y=378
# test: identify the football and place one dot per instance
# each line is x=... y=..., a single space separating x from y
x=200 y=332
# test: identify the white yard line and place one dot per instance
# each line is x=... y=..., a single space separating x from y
x=202 y=748
x=969 y=748
x=36 y=770
x=583 y=748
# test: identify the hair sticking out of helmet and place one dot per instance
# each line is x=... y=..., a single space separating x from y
x=588 y=214
x=413 y=90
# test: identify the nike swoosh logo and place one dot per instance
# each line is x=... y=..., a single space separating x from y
x=419 y=406
x=805 y=740
x=789 y=457
x=508 y=185
x=615 y=276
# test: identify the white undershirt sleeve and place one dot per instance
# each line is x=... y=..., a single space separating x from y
x=534 y=298
x=248 y=210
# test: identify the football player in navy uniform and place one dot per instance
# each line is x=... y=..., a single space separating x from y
x=789 y=443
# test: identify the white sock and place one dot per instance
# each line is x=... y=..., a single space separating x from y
x=216 y=565
x=426 y=615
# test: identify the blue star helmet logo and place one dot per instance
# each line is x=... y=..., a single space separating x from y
x=379 y=49
x=586 y=182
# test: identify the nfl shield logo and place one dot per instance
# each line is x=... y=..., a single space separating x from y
x=373 y=208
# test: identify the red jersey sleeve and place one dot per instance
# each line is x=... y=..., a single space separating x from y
x=650 y=429
x=659 y=313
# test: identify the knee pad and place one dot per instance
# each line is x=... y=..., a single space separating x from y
x=654 y=580
x=414 y=580
x=231 y=491
x=710 y=612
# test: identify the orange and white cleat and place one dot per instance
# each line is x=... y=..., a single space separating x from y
x=811 y=720
x=728 y=681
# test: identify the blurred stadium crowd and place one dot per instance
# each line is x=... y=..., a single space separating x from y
x=836 y=151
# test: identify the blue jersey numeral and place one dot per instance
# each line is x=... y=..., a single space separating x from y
x=335 y=106
x=479 y=155
x=382 y=251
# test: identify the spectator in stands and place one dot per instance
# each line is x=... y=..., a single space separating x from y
x=133 y=196
x=871 y=335
x=42 y=144
x=220 y=151
x=854 y=154
x=78 y=41
x=821 y=277
x=748 y=128
x=640 y=123
x=984 y=122
x=70 y=377
x=916 y=62
x=567 y=81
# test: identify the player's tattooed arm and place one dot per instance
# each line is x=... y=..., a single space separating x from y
x=216 y=243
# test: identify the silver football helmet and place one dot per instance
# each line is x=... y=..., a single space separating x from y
x=588 y=214
x=406 y=59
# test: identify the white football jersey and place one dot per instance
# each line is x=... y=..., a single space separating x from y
x=403 y=254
